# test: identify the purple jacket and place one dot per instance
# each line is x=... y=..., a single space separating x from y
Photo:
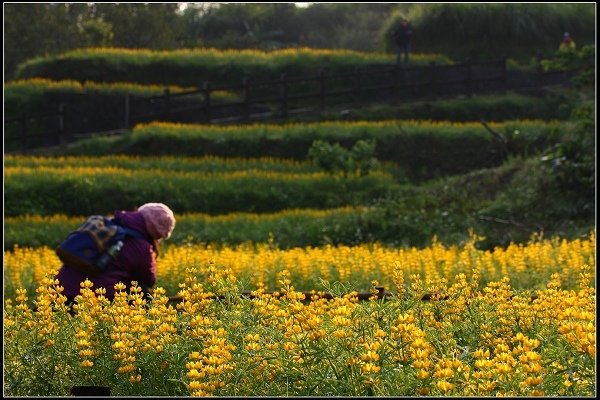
x=135 y=262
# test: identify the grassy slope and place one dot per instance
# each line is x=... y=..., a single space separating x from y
x=506 y=203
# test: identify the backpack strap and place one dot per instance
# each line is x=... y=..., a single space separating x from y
x=134 y=233
x=128 y=231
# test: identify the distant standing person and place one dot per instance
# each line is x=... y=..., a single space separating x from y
x=402 y=35
x=567 y=42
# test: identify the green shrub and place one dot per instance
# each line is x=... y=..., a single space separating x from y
x=329 y=157
x=334 y=158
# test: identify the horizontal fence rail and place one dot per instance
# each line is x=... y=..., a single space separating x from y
x=273 y=98
x=314 y=295
x=308 y=295
x=82 y=115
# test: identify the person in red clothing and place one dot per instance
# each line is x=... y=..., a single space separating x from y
x=567 y=43
x=137 y=259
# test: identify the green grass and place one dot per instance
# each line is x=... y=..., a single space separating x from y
x=28 y=95
x=421 y=150
x=504 y=204
x=207 y=164
x=191 y=67
x=81 y=191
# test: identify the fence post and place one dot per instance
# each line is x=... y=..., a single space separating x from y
x=469 y=78
x=321 y=90
x=62 y=140
x=284 y=96
x=127 y=111
x=206 y=89
x=432 y=77
x=246 y=91
x=24 y=131
x=357 y=83
x=402 y=81
x=539 y=76
x=167 y=94
x=504 y=73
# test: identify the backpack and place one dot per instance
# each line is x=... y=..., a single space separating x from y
x=92 y=247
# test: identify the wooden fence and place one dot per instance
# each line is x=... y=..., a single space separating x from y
x=29 y=133
x=275 y=99
x=278 y=98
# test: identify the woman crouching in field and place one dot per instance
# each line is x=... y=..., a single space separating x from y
x=136 y=260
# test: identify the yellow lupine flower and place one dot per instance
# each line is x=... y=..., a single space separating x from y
x=370 y=356
x=422 y=374
x=444 y=386
x=370 y=368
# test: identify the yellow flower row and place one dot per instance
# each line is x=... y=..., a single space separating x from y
x=131 y=161
x=332 y=125
x=156 y=173
x=478 y=342
x=528 y=265
x=64 y=219
x=254 y=217
x=73 y=85
x=250 y=54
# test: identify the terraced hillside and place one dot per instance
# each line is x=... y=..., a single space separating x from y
x=488 y=220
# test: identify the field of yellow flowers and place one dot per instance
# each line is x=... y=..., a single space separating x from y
x=518 y=321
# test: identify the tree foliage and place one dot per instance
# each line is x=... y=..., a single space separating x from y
x=482 y=30
x=37 y=29
x=515 y=30
x=572 y=160
x=135 y=25
x=62 y=27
